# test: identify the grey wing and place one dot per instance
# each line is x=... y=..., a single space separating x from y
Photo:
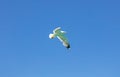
x=64 y=40
x=57 y=30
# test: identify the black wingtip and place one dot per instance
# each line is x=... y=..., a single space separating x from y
x=68 y=47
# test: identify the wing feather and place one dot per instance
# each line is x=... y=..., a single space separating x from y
x=61 y=36
x=57 y=30
x=64 y=40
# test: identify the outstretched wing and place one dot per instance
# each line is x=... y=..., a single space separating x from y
x=64 y=40
x=57 y=30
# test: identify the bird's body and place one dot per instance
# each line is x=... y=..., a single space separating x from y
x=61 y=36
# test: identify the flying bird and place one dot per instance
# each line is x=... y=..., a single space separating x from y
x=57 y=32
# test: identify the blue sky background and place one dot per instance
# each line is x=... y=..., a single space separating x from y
x=93 y=29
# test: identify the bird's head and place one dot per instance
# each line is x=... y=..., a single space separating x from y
x=51 y=36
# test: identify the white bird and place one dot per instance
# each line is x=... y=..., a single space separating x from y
x=57 y=32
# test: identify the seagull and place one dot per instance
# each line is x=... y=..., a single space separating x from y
x=57 y=32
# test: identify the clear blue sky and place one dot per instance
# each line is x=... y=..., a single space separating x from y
x=93 y=29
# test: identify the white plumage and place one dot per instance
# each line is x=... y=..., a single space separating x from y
x=60 y=35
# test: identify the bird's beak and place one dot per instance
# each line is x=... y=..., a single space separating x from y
x=52 y=37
